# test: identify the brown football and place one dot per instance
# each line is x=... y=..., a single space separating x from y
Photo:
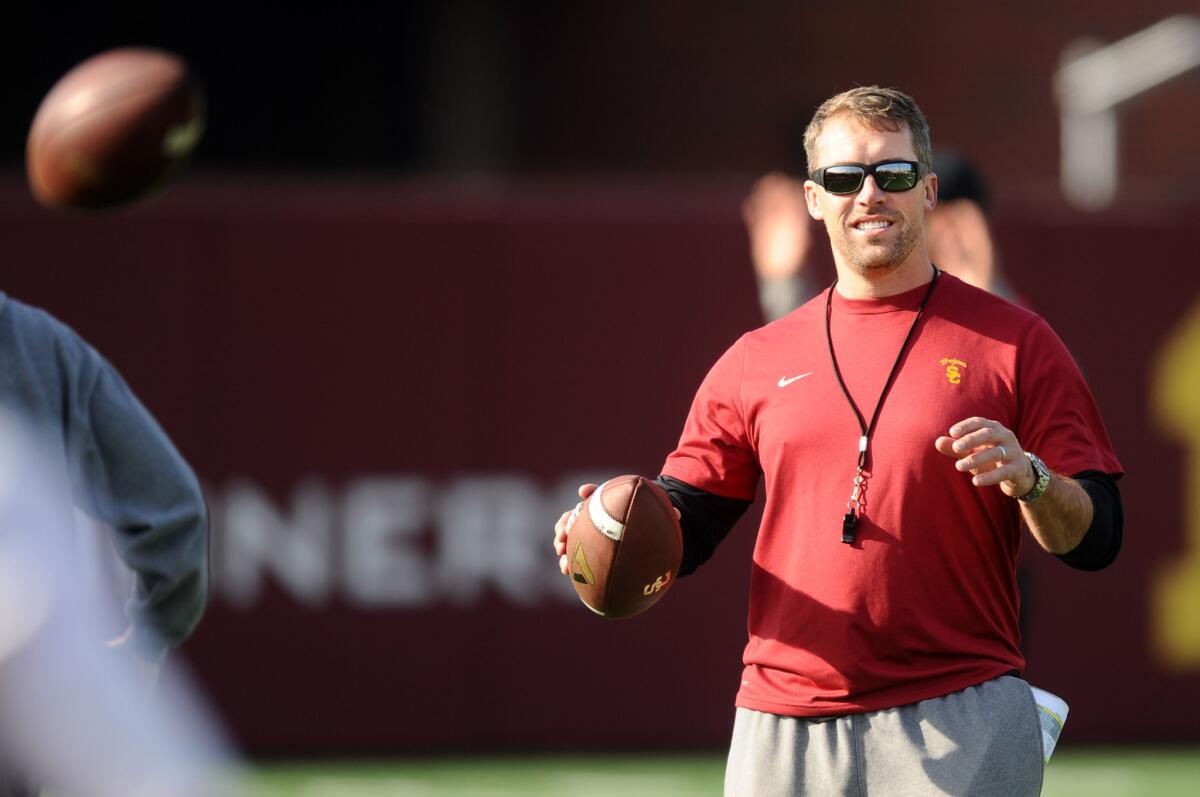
x=624 y=547
x=113 y=129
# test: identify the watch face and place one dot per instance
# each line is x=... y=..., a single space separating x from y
x=1042 y=475
x=1042 y=470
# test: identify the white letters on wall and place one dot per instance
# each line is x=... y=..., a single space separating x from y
x=396 y=542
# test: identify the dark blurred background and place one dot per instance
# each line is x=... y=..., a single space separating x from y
x=664 y=87
x=381 y=312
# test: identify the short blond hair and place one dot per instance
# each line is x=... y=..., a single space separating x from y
x=878 y=108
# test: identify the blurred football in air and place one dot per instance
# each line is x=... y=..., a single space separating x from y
x=114 y=129
x=624 y=547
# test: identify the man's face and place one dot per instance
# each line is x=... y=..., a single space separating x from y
x=873 y=231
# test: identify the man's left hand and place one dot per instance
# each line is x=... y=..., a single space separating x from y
x=991 y=453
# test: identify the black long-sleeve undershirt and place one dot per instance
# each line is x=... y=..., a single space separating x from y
x=1102 y=542
x=706 y=519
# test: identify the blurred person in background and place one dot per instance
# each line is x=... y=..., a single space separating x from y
x=120 y=469
x=782 y=235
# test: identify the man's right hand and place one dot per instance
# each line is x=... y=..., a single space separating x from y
x=564 y=525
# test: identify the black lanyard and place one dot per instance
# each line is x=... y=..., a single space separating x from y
x=853 y=506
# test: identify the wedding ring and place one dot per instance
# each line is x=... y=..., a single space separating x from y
x=1003 y=453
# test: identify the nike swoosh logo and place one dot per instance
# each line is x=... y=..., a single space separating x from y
x=784 y=381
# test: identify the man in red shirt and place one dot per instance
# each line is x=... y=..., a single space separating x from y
x=894 y=420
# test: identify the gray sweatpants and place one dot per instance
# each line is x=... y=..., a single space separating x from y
x=982 y=741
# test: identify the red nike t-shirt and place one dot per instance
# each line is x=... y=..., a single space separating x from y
x=925 y=602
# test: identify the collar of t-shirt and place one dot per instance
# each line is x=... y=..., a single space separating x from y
x=909 y=300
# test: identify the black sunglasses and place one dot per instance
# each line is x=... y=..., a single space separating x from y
x=847 y=178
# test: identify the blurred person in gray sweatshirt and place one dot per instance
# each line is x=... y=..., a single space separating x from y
x=108 y=459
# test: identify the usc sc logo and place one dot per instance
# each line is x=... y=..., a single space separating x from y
x=659 y=583
x=953 y=372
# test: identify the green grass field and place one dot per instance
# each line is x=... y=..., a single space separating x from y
x=1092 y=773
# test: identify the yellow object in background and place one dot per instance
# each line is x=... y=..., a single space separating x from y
x=1176 y=403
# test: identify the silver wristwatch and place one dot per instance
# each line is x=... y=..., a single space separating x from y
x=1041 y=474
